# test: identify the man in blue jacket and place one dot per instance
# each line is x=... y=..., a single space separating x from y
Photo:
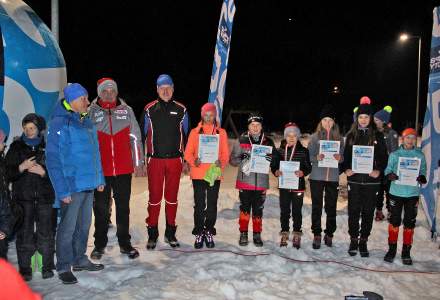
x=74 y=166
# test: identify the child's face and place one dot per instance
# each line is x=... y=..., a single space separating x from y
x=291 y=138
x=409 y=141
x=363 y=120
x=379 y=123
x=30 y=130
x=255 y=128
x=327 y=123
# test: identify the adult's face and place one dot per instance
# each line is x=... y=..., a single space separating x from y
x=327 y=123
x=364 y=120
x=108 y=95
x=30 y=130
x=80 y=104
x=165 y=92
x=255 y=128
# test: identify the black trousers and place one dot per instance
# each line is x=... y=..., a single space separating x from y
x=252 y=202
x=291 y=204
x=205 y=205
x=30 y=240
x=384 y=192
x=326 y=191
x=4 y=248
x=409 y=206
x=121 y=186
x=361 y=205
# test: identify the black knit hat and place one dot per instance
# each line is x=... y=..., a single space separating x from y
x=255 y=118
x=328 y=111
x=37 y=120
x=365 y=107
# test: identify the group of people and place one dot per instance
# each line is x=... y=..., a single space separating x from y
x=88 y=153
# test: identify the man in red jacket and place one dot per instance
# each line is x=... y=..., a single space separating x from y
x=120 y=145
x=165 y=128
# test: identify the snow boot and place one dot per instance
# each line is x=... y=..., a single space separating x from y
x=406 y=255
x=257 y=239
x=328 y=240
x=170 y=236
x=353 y=248
x=198 y=243
x=153 y=234
x=209 y=239
x=316 y=242
x=363 y=249
x=97 y=253
x=67 y=277
x=243 y=239
x=391 y=254
x=379 y=216
x=296 y=239
x=131 y=252
x=284 y=238
x=47 y=274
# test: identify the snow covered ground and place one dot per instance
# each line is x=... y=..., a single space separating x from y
x=165 y=274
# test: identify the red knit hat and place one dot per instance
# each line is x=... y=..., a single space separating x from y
x=106 y=83
x=409 y=131
x=13 y=285
x=209 y=107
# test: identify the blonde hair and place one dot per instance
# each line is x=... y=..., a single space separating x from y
x=335 y=134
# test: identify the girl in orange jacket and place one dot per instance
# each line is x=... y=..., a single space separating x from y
x=205 y=194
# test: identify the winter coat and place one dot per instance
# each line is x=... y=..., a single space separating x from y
x=399 y=190
x=253 y=181
x=379 y=160
x=27 y=186
x=119 y=136
x=72 y=153
x=6 y=218
x=321 y=173
x=192 y=149
x=391 y=139
x=301 y=154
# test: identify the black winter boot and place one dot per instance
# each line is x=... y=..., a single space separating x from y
x=243 y=239
x=170 y=236
x=209 y=239
x=363 y=249
x=257 y=239
x=406 y=255
x=391 y=254
x=198 y=243
x=353 y=248
x=153 y=234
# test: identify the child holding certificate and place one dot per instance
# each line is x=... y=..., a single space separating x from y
x=291 y=197
x=365 y=159
x=407 y=171
x=207 y=149
x=253 y=183
x=326 y=147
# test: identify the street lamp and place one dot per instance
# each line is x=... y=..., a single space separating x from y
x=403 y=38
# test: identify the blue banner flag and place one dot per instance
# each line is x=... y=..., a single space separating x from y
x=221 y=56
x=431 y=129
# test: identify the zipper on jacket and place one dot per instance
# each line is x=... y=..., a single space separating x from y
x=112 y=145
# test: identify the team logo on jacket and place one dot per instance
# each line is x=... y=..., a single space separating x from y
x=121 y=111
x=99 y=113
x=121 y=117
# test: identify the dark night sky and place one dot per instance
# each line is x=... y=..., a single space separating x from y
x=284 y=69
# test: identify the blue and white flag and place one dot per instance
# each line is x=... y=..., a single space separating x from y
x=431 y=129
x=221 y=56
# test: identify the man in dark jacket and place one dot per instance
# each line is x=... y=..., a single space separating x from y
x=120 y=146
x=5 y=209
x=166 y=128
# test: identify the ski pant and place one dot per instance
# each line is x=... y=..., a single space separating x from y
x=205 y=205
x=40 y=239
x=291 y=203
x=4 y=248
x=409 y=206
x=361 y=205
x=326 y=191
x=384 y=190
x=121 y=186
x=251 y=203
x=163 y=171
x=73 y=231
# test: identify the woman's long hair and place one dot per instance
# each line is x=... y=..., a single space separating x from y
x=353 y=133
x=335 y=133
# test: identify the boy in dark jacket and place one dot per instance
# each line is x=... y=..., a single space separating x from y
x=291 y=201
x=5 y=210
x=32 y=190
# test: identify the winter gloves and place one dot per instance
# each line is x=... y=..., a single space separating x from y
x=421 y=179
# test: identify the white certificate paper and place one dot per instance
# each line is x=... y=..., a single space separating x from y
x=208 y=148
x=408 y=170
x=288 y=180
x=258 y=161
x=362 y=159
x=329 y=149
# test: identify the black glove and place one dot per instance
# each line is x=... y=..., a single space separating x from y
x=392 y=177
x=421 y=179
x=244 y=156
x=269 y=157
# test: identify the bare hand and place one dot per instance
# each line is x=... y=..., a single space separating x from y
x=27 y=164
x=349 y=172
x=374 y=174
x=2 y=235
x=66 y=200
x=185 y=168
x=320 y=157
x=100 y=188
x=218 y=163
x=37 y=169
x=197 y=162
x=278 y=173
x=139 y=171
x=337 y=156
x=299 y=173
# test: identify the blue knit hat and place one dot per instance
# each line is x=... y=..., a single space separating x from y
x=384 y=114
x=74 y=91
x=164 y=79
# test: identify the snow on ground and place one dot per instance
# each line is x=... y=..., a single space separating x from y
x=164 y=274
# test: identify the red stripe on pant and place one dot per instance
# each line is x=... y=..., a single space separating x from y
x=163 y=171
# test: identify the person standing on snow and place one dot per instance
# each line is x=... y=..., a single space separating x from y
x=166 y=126
x=382 y=119
x=74 y=166
x=252 y=186
x=205 y=194
x=120 y=145
x=6 y=216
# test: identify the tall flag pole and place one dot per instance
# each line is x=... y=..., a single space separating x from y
x=431 y=130
x=221 y=57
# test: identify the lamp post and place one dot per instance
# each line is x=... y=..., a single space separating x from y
x=403 y=38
